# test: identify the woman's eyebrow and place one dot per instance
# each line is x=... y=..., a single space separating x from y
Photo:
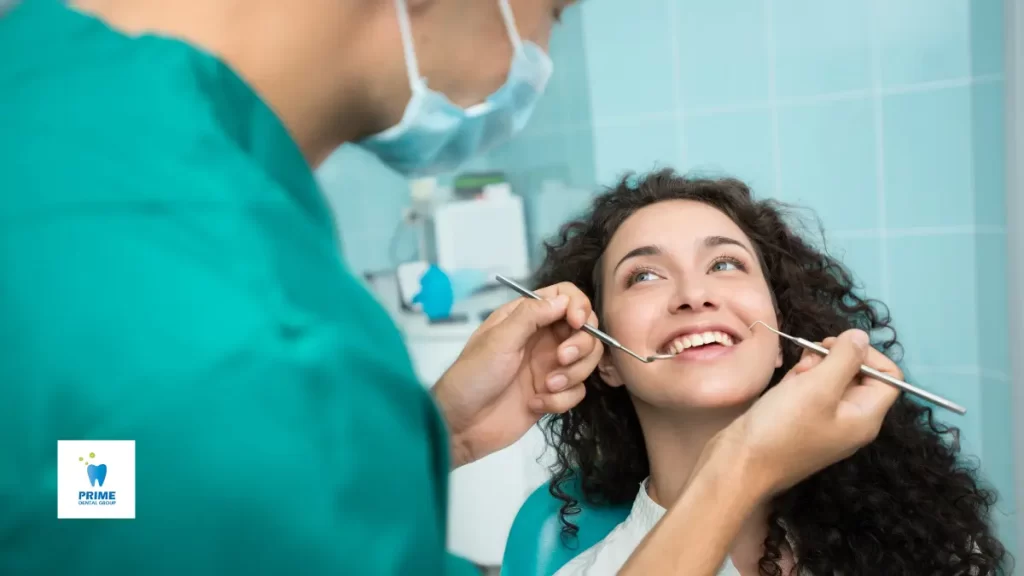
x=650 y=250
x=708 y=242
x=715 y=241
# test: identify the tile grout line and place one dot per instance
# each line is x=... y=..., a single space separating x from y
x=918 y=232
x=878 y=115
x=957 y=370
x=936 y=85
x=564 y=103
x=677 y=82
x=972 y=199
x=830 y=97
x=769 y=38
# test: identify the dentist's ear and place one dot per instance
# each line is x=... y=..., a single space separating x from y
x=606 y=369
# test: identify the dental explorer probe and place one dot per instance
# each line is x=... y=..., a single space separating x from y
x=872 y=373
x=587 y=327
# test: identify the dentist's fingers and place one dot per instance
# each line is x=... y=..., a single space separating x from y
x=840 y=367
x=526 y=319
x=875 y=397
x=872 y=397
x=875 y=359
x=573 y=304
x=579 y=308
x=577 y=311
x=576 y=345
x=867 y=395
x=558 y=403
x=575 y=373
x=809 y=359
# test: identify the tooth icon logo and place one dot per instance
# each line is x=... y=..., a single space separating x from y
x=97 y=473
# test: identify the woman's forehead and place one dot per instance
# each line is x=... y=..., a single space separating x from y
x=679 y=224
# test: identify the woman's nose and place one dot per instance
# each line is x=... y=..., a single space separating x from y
x=694 y=294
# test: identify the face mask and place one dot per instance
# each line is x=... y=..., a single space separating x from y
x=437 y=136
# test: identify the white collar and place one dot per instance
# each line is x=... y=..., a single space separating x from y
x=646 y=513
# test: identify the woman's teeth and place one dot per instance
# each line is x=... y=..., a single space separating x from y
x=696 y=340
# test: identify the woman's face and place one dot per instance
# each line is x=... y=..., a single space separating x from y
x=681 y=275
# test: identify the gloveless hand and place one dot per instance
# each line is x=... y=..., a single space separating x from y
x=821 y=412
x=526 y=360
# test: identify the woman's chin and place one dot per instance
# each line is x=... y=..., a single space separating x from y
x=707 y=394
x=691 y=401
x=721 y=400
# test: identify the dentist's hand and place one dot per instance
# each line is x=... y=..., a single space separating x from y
x=528 y=358
x=822 y=412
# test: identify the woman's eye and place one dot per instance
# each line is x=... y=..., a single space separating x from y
x=642 y=276
x=724 y=266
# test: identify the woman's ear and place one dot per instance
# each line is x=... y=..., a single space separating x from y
x=606 y=369
x=778 y=359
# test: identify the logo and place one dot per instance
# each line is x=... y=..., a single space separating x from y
x=96 y=473
x=96 y=479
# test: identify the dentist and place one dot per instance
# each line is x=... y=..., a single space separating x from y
x=169 y=274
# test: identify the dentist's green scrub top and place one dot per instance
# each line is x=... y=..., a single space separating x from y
x=169 y=274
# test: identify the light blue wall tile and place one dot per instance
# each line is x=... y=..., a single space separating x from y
x=532 y=152
x=549 y=115
x=927 y=158
x=549 y=210
x=863 y=258
x=723 y=52
x=580 y=158
x=532 y=158
x=828 y=162
x=997 y=458
x=993 y=300
x=737 y=144
x=367 y=200
x=630 y=59
x=988 y=139
x=638 y=148
x=821 y=47
x=933 y=298
x=571 y=70
x=987 y=36
x=964 y=388
x=922 y=40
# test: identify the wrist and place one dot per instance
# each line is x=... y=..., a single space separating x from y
x=729 y=460
x=459 y=452
x=458 y=448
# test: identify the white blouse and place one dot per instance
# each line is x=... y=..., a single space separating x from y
x=609 y=555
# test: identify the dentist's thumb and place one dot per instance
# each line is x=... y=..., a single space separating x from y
x=842 y=365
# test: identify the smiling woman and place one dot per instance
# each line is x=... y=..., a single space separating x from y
x=688 y=265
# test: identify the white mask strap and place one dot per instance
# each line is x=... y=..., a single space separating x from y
x=510 y=24
x=411 y=66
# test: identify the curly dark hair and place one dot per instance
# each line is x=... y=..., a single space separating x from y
x=904 y=504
